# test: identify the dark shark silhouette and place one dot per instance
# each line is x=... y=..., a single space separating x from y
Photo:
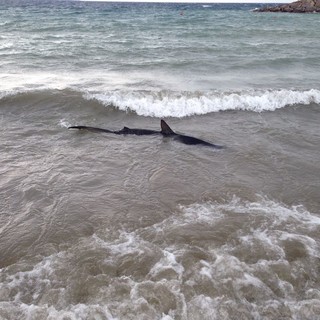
x=125 y=130
x=166 y=131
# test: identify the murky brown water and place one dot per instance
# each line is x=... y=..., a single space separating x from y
x=98 y=226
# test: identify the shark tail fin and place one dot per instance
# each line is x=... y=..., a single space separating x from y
x=165 y=129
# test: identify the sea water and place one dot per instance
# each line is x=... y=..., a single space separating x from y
x=101 y=226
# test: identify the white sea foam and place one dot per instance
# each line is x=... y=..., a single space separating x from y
x=278 y=213
x=167 y=263
x=152 y=102
x=264 y=253
x=64 y=123
x=74 y=312
x=182 y=104
x=201 y=213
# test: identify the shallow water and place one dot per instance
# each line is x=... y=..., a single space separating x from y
x=101 y=226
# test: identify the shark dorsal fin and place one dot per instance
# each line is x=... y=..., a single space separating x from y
x=125 y=128
x=165 y=129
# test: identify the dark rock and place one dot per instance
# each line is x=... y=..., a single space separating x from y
x=302 y=6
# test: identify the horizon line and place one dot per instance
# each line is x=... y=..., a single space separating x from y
x=194 y=1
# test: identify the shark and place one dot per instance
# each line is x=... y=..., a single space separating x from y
x=166 y=131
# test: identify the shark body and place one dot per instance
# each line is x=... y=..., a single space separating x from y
x=166 y=131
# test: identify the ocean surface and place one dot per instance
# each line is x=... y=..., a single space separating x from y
x=103 y=226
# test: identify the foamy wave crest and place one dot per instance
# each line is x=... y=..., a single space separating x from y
x=64 y=123
x=210 y=259
x=182 y=104
x=111 y=90
x=14 y=84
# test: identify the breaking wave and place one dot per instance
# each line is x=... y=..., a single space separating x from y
x=165 y=271
x=183 y=104
x=153 y=102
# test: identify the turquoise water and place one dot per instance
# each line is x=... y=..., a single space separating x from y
x=103 y=226
x=160 y=52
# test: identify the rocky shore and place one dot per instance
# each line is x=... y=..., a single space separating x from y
x=302 y=6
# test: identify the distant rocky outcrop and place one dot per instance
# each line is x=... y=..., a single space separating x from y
x=302 y=6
